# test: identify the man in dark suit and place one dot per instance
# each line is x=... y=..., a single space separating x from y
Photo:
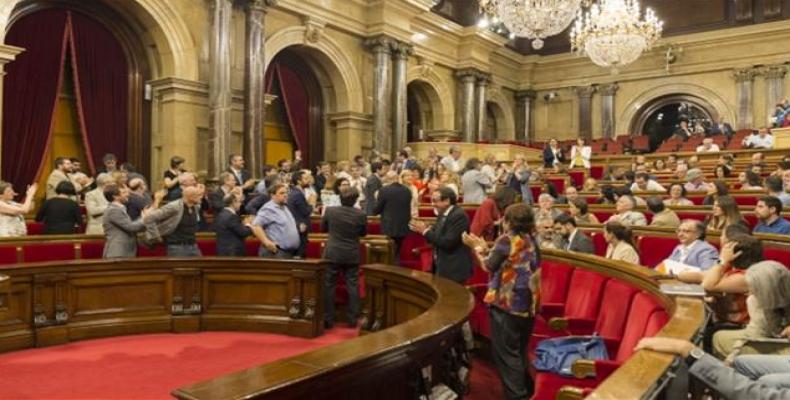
x=451 y=258
x=721 y=128
x=345 y=225
x=230 y=229
x=373 y=185
x=243 y=177
x=256 y=202
x=572 y=238
x=301 y=206
x=393 y=205
x=552 y=154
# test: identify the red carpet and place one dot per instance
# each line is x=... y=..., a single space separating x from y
x=150 y=366
x=145 y=366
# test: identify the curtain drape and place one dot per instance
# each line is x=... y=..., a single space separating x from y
x=30 y=94
x=101 y=83
x=297 y=106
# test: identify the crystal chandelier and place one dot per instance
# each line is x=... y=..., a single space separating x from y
x=533 y=19
x=613 y=34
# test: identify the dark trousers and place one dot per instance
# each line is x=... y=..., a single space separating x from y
x=509 y=337
x=398 y=243
x=351 y=275
x=265 y=253
x=302 y=250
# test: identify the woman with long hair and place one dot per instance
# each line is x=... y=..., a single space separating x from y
x=513 y=263
x=607 y=195
x=407 y=179
x=621 y=245
x=715 y=190
x=725 y=212
x=579 y=210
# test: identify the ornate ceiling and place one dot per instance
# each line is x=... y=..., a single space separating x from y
x=680 y=17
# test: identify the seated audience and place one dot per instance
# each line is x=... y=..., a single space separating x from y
x=61 y=214
x=625 y=212
x=769 y=211
x=762 y=140
x=607 y=195
x=721 y=172
x=120 y=231
x=570 y=194
x=474 y=183
x=677 y=196
x=775 y=188
x=590 y=185
x=693 y=250
x=662 y=216
x=716 y=189
x=620 y=242
x=579 y=210
x=695 y=181
x=345 y=226
x=643 y=183
x=707 y=146
x=230 y=229
x=486 y=222
x=660 y=167
x=750 y=181
x=546 y=238
x=12 y=214
x=275 y=226
x=546 y=208
x=580 y=155
x=728 y=382
x=725 y=212
x=768 y=304
x=570 y=237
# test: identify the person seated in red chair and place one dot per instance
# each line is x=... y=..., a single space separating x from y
x=625 y=212
x=450 y=257
x=572 y=238
x=643 y=183
x=769 y=212
x=485 y=223
x=695 y=181
x=693 y=250
x=762 y=140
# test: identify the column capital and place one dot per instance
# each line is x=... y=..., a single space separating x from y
x=402 y=50
x=584 y=91
x=9 y=53
x=745 y=74
x=260 y=5
x=467 y=74
x=608 y=89
x=523 y=95
x=380 y=44
x=775 y=71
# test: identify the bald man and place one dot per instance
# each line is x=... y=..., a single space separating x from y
x=177 y=222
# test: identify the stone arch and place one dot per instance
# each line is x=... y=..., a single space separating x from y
x=175 y=54
x=437 y=92
x=503 y=113
x=328 y=58
x=635 y=107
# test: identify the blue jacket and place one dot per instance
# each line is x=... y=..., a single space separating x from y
x=702 y=255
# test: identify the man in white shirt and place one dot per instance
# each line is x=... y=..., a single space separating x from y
x=762 y=140
x=453 y=161
x=643 y=183
x=708 y=146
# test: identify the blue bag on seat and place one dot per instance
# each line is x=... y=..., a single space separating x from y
x=558 y=354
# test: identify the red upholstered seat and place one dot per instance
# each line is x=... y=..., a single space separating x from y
x=577 y=178
x=599 y=241
x=208 y=247
x=536 y=190
x=470 y=212
x=251 y=247
x=699 y=216
x=314 y=249
x=697 y=199
x=602 y=216
x=426 y=212
x=554 y=281
x=596 y=171
x=582 y=302
x=559 y=184
x=751 y=220
x=92 y=250
x=315 y=226
x=34 y=228
x=777 y=254
x=407 y=257
x=157 y=251
x=374 y=227
x=37 y=252
x=8 y=254
x=746 y=200
x=653 y=249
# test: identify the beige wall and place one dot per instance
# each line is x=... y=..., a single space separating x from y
x=329 y=34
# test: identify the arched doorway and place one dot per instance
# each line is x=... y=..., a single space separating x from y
x=660 y=117
x=86 y=100
x=420 y=114
x=295 y=117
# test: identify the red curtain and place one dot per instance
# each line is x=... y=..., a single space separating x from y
x=297 y=106
x=101 y=82
x=30 y=93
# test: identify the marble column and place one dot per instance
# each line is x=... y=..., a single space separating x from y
x=523 y=115
x=468 y=77
x=774 y=86
x=607 y=109
x=584 y=94
x=744 y=82
x=254 y=90
x=480 y=106
x=7 y=54
x=381 y=47
x=220 y=94
x=401 y=52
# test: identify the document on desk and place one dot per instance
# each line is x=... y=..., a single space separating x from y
x=670 y=267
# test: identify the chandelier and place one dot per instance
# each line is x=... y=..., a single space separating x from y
x=533 y=19
x=613 y=34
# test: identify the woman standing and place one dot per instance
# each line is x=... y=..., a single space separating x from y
x=12 y=214
x=60 y=214
x=621 y=243
x=486 y=221
x=580 y=154
x=513 y=263
x=474 y=183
